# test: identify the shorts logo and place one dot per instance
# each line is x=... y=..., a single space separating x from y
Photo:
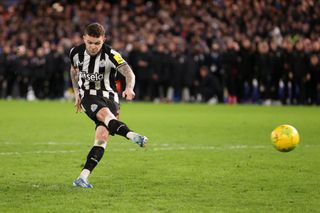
x=94 y=107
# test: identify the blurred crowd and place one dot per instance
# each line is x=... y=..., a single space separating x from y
x=246 y=51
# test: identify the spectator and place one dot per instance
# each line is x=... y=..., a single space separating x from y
x=263 y=72
x=39 y=83
x=299 y=68
x=10 y=66
x=313 y=81
x=2 y=75
x=160 y=75
x=231 y=69
x=207 y=86
x=143 y=72
x=246 y=72
x=23 y=72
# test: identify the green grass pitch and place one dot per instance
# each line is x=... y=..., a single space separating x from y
x=200 y=158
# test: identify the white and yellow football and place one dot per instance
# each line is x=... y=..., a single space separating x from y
x=285 y=138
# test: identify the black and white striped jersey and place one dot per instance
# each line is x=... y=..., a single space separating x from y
x=97 y=73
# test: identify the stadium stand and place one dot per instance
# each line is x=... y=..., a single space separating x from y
x=264 y=52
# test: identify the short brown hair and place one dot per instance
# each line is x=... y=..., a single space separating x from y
x=95 y=30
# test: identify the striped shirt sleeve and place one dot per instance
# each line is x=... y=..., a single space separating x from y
x=71 y=55
x=116 y=59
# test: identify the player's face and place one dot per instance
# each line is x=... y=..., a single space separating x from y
x=93 y=44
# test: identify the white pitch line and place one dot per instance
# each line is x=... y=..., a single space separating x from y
x=167 y=148
x=58 y=143
x=160 y=148
x=39 y=152
x=10 y=153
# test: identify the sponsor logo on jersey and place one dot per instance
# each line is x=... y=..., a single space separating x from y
x=91 y=76
x=102 y=63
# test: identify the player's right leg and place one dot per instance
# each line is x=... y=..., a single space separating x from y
x=94 y=156
x=103 y=110
x=117 y=127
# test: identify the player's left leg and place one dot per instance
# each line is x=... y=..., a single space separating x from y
x=93 y=157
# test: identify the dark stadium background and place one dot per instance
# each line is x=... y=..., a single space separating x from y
x=248 y=51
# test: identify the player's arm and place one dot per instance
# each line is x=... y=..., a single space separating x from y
x=127 y=72
x=74 y=74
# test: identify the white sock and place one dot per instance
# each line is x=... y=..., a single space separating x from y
x=131 y=135
x=108 y=119
x=85 y=173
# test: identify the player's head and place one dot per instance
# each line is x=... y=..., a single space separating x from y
x=94 y=37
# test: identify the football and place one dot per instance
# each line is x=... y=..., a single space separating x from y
x=285 y=138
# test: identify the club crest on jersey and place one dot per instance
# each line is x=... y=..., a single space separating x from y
x=79 y=63
x=91 y=76
x=94 y=107
x=102 y=63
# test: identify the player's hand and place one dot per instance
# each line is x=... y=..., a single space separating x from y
x=77 y=103
x=128 y=94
